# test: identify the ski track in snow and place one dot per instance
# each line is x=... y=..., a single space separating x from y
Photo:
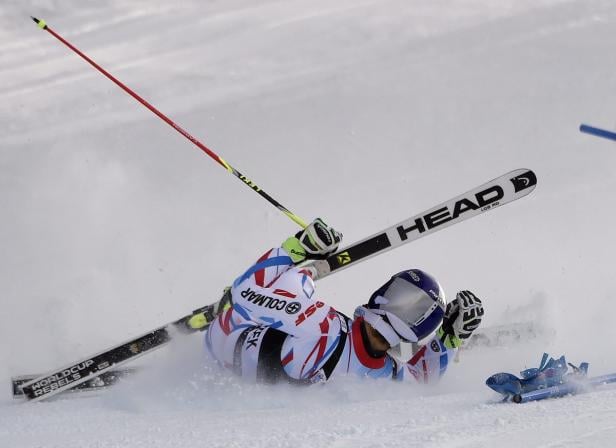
x=113 y=224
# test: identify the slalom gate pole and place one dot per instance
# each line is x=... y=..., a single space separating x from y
x=197 y=143
x=597 y=132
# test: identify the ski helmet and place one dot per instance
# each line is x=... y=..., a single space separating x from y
x=409 y=307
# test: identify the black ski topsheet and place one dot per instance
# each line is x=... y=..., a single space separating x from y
x=102 y=381
x=504 y=189
x=500 y=191
x=84 y=370
x=74 y=374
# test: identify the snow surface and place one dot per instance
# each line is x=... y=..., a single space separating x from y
x=364 y=112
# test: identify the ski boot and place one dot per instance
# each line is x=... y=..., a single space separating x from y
x=201 y=318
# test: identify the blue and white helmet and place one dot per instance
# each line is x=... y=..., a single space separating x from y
x=409 y=307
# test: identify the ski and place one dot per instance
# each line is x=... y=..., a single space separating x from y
x=71 y=376
x=102 y=381
x=500 y=191
x=497 y=192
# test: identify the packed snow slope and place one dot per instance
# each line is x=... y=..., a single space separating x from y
x=363 y=112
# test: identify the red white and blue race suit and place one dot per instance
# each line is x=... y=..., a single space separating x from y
x=277 y=330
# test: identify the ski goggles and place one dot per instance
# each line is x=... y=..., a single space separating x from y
x=411 y=311
x=387 y=325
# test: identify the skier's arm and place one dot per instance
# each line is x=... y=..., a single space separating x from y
x=428 y=364
x=271 y=293
x=462 y=317
x=316 y=241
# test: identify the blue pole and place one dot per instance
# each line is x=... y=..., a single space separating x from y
x=598 y=132
x=549 y=392
x=560 y=390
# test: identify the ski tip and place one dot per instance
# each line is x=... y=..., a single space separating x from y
x=41 y=23
x=523 y=179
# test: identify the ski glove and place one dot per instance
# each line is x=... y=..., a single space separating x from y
x=462 y=317
x=315 y=242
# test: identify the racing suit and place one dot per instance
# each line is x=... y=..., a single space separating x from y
x=278 y=330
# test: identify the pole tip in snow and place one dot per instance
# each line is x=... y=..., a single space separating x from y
x=41 y=23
